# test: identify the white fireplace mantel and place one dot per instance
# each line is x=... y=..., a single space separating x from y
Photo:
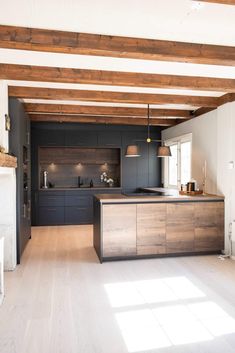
x=1 y=269
x=8 y=216
x=7 y=188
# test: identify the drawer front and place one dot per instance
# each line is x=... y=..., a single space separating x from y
x=51 y=200
x=51 y=215
x=78 y=215
x=85 y=200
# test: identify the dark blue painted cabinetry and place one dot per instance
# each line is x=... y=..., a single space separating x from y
x=113 y=139
x=75 y=206
x=19 y=145
x=50 y=215
x=66 y=207
x=80 y=138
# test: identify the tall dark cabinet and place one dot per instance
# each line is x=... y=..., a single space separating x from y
x=19 y=145
x=71 y=205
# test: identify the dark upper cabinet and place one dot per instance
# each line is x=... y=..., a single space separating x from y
x=80 y=138
x=51 y=138
x=110 y=139
x=19 y=145
x=51 y=207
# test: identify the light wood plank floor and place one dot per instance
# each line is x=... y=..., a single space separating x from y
x=61 y=300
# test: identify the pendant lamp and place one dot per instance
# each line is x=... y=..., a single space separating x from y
x=132 y=151
x=162 y=151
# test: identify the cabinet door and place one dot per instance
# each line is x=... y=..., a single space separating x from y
x=109 y=138
x=51 y=200
x=151 y=229
x=78 y=215
x=51 y=138
x=119 y=230
x=180 y=227
x=77 y=200
x=209 y=226
x=80 y=138
x=51 y=215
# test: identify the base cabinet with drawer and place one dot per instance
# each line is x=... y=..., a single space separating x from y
x=50 y=215
x=64 y=207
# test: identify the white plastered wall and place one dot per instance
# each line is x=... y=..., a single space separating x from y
x=213 y=136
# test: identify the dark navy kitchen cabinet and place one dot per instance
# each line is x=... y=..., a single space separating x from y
x=78 y=215
x=110 y=139
x=50 y=215
x=75 y=205
x=51 y=138
x=19 y=145
x=80 y=138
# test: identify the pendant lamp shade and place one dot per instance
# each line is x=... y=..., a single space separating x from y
x=132 y=151
x=164 y=151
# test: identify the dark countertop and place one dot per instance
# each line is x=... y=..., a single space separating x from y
x=81 y=188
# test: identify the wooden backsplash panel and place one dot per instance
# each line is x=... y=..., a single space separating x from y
x=75 y=155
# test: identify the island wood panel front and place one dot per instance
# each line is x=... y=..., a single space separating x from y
x=180 y=227
x=161 y=228
x=119 y=230
x=151 y=229
x=209 y=226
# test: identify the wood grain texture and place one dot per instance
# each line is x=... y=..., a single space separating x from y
x=115 y=46
x=75 y=155
x=165 y=228
x=224 y=2
x=180 y=227
x=68 y=309
x=151 y=229
x=102 y=120
x=107 y=96
x=119 y=230
x=209 y=226
x=99 y=77
x=104 y=111
x=7 y=161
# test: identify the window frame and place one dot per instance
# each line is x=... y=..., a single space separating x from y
x=176 y=141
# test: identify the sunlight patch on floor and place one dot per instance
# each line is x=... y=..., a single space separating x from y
x=141 y=331
x=151 y=291
x=183 y=314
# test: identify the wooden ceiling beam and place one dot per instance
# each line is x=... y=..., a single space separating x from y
x=104 y=111
x=114 y=46
x=107 y=96
x=226 y=98
x=101 y=120
x=224 y=2
x=113 y=78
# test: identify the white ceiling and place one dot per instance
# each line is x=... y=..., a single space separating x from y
x=158 y=19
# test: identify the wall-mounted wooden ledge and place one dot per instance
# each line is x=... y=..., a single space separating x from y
x=8 y=161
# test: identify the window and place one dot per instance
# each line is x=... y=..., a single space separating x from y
x=177 y=168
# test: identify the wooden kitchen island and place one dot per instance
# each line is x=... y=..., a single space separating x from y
x=129 y=227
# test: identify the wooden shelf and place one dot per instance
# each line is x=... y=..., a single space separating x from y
x=8 y=161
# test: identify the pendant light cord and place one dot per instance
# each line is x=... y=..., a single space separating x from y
x=148 y=122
